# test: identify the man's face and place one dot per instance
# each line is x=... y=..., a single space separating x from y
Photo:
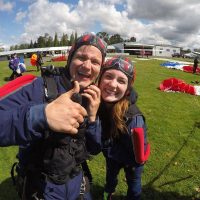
x=85 y=65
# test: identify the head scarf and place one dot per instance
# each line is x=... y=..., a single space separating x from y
x=87 y=39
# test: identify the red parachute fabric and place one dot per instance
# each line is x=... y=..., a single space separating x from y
x=60 y=58
x=190 y=69
x=177 y=85
x=15 y=84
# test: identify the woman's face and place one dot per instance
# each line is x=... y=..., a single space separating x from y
x=113 y=85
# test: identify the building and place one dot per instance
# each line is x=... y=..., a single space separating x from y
x=28 y=52
x=140 y=49
x=131 y=48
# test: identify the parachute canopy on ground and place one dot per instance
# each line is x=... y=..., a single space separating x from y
x=178 y=85
x=180 y=66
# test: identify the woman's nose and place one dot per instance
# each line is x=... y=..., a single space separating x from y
x=113 y=83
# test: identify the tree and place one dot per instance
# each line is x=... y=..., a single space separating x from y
x=72 y=39
x=49 y=42
x=132 y=39
x=31 y=45
x=11 y=48
x=64 y=40
x=75 y=37
x=41 y=42
x=56 y=42
x=35 y=45
x=115 y=39
x=104 y=36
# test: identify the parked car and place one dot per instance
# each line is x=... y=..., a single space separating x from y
x=189 y=55
x=178 y=55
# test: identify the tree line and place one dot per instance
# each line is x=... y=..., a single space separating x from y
x=67 y=40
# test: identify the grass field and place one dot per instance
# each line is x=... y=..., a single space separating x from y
x=173 y=119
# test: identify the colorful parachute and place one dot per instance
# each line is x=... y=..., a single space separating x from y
x=21 y=68
x=181 y=66
x=178 y=85
x=33 y=59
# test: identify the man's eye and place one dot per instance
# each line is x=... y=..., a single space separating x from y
x=96 y=62
x=108 y=76
x=81 y=58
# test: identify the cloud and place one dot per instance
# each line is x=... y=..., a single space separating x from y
x=6 y=6
x=20 y=15
x=175 y=21
x=172 y=22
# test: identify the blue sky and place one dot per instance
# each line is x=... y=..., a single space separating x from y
x=167 y=22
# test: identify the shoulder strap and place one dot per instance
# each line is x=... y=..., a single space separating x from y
x=51 y=91
x=132 y=112
x=16 y=84
x=48 y=73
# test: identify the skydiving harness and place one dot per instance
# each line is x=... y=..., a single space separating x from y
x=58 y=157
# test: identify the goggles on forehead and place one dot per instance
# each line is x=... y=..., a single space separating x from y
x=122 y=64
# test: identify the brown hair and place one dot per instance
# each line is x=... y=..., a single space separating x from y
x=119 y=110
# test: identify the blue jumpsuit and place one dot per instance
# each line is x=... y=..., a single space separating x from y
x=119 y=154
x=23 y=123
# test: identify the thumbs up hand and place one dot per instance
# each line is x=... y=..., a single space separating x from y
x=63 y=114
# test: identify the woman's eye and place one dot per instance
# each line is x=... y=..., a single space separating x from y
x=122 y=81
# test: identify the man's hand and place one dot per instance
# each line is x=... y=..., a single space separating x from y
x=64 y=115
x=93 y=94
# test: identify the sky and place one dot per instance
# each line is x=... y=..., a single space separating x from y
x=174 y=22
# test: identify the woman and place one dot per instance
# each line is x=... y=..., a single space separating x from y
x=124 y=130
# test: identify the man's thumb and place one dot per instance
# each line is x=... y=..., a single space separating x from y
x=75 y=89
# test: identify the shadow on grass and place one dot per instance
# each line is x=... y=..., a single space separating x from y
x=7 y=190
x=149 y=193
x=7 y=79
x=31 y=70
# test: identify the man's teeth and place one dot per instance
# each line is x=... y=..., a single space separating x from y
x=83 y=74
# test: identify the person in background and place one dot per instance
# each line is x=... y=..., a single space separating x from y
x=54 y=131
x=124 y=137
x=195 y=65
x=39 y=61
x=14 y=66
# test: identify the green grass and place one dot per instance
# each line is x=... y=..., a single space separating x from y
x=172 y=171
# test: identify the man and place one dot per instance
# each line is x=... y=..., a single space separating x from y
x=39 y=61
x=196 y=61
x=52 y=161
x=13 y=65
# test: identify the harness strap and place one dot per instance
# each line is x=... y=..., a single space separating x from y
x=51 y=91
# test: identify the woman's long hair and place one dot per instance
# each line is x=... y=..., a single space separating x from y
x=117 y=124
x=118 y=112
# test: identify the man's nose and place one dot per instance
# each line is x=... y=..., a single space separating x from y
x=87 y=64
